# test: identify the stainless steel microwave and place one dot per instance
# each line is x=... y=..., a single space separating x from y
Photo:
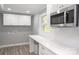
x=67 y=17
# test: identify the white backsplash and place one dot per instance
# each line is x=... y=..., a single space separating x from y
x=65 y=36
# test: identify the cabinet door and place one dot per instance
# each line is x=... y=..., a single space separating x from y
x=45 y=51
x=48 y=52
x=24 y=20
x=34 y=47
x=62 y=6
x=67 y=5
x=9 y=19
x=41 y=50
x=31 y=45
x=54 y=8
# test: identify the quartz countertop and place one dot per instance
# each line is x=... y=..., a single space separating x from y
x=54 y=46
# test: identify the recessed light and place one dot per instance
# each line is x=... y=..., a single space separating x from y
x=9 y=9
x=27 y=11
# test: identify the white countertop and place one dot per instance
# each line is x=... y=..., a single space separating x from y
x=54 y=46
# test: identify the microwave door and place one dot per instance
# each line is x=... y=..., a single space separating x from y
x=70 y=18
x=57 y=20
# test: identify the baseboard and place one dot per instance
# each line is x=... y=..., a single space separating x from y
x=10 y=45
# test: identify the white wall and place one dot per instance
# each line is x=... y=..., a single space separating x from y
x=36 y=21
x=35 y=24
x=66 y=36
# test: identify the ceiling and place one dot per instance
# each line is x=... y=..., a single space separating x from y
x=22 y=8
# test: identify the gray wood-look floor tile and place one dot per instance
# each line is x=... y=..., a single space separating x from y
x=15 y=50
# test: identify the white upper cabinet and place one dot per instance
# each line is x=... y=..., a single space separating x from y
x=11 y=19
x=56 y=7
x=24 y=20
x=61 y=6
x=53 y=8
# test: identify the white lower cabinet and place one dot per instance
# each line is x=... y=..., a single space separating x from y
x=45 y=51
x=34 y=47
x=38 y=49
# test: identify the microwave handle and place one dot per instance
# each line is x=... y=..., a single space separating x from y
x=64 y=17
x=75 y=15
